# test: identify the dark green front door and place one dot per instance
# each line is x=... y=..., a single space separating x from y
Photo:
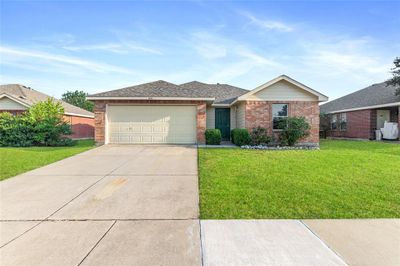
x=223 y=121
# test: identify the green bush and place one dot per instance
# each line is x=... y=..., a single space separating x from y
x=259 y=136
x=16 y=131
x=42 y=125
x=293 y=129
x=213 y=136
x=240 y=136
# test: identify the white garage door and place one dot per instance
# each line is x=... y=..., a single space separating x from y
x=151 y=124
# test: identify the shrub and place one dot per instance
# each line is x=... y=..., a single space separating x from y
x=294 y=129
x=213 y=136
x=42 y=125
x=16 y=131
x=259 y=136
x=240 y=136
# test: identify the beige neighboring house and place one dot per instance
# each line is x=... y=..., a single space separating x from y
x=16 y=98
x=162 y=112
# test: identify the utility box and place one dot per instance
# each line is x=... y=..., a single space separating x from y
x=378 y=134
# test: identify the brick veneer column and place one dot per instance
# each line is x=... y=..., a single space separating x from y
x=201 y=123
x=99 y=122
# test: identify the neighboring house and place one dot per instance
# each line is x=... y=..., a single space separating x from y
x=359 y=114
x=162 y=112
x=15 y=98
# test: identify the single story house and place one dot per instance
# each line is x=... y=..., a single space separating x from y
x=359 y=114
x=16 y=98
x=162 y=112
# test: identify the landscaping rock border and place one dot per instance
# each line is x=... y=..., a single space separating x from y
x=262 y=147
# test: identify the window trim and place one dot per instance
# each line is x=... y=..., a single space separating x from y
x=336 y=122
x=273 y=117
x=341 y=115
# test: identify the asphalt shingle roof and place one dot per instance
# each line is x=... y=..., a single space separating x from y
x=30 y=96
x=222 y=93
x=375 y=94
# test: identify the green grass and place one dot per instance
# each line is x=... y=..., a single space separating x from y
x=14 y=161
x=345 y=179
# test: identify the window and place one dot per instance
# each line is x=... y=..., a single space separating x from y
x=279 y=113
x=334 y=122
x=343 y=122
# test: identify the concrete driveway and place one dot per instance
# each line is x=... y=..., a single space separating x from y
x=112 y=205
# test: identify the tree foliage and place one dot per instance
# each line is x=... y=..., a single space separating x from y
x=395 y=80
x=42 y=125
x=78 y=98
x=294 y=129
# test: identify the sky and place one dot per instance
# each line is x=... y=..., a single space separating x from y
x=334 y=47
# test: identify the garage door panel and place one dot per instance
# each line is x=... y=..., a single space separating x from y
x=151 y=124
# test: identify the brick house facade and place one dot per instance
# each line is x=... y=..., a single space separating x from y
x=259 y=113
x=123 y=116
x=361 y=124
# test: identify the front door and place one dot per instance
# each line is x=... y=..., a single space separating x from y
x=223 y=122
x=382 y=116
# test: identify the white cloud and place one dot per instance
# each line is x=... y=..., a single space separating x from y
x=208 y=45
x=267 y=24
x=11 y=55
x=121 y=48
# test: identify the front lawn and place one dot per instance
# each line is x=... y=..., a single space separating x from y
x=14 y=161
x=345 y=179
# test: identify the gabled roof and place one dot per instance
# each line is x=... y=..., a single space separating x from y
x=218 y=94
x=28 y=96
x=320 y=96
x=223 y=93
x=374 y=95
x=156 y=90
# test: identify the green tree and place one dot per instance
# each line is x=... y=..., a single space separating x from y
x=293 y=129
x=78 y=98
x=395 y=80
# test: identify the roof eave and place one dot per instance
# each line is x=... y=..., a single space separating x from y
x=365 y=108
x=97 y=98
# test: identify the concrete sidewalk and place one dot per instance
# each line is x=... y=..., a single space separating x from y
x=295 y=242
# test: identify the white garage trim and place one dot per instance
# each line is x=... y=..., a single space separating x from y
x=151 y=124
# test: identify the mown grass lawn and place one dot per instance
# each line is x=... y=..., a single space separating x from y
x=345 y=179
x=14 y=161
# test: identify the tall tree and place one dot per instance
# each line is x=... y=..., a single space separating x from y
x=78 y=98
x=395 y=80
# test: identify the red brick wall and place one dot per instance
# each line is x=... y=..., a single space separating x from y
x=82 y=127
x=100 y=109
x=259 y=113
x=360 y=124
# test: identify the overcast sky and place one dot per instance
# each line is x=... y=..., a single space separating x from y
x=334 y=47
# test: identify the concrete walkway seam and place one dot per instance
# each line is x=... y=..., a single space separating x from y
x=95 y=245
x=47 y=218
x=323 y=242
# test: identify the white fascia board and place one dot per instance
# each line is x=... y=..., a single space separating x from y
x=5 y=95
x=74 y=114
x=365 y=108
